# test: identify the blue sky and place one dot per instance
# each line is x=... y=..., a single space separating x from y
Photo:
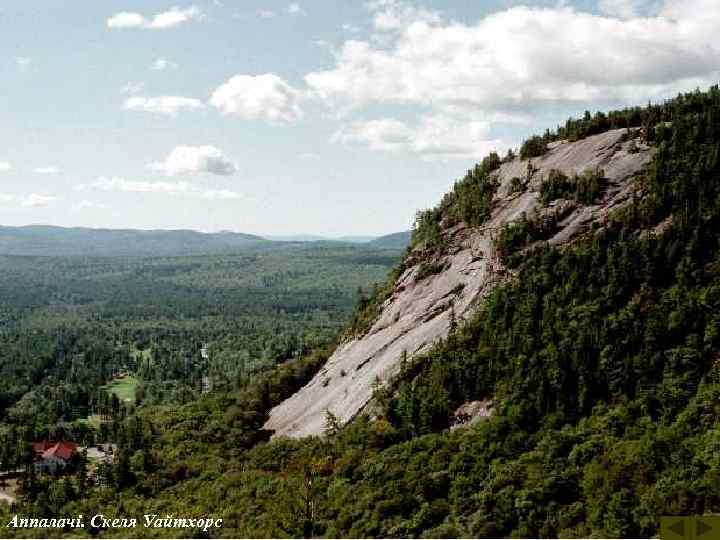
x=319 y=117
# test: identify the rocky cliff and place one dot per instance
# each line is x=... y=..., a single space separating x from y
x=420 y=308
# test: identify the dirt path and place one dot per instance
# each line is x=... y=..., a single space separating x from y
x=7 y=498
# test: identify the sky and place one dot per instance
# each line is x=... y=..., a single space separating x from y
x=314 y=117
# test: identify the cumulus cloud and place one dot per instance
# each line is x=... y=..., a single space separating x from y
x=390 y=15
x=195 y=159
x=161 y=21
x=519 y=57
x=432 y=137
x=5 y=166
x=514 y=62
x=167 y=105
x=258 y=97
x=46 y=170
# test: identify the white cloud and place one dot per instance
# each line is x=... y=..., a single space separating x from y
x=181 y=188
x=433 y=137
x=265 y=13
x=519 y=57
x=295 y=9
x=32 y=200
x=161 y=64
x=515 y=62
x=5 y=166
x=161 y=21
x=46 y=170
x=195 y=159
x=220 y=195
x=168 y=105
x=258 y=97
x=126 y=19
x=36 y=200
x=396 y=14
x=133 y=186
x=175 y=17
x=352 y=28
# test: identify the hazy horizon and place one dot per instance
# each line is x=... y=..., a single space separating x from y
x=274 y=117
x=299 y=234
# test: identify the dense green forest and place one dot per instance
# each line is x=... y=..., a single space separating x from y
x=602 y=361
x=85 y=342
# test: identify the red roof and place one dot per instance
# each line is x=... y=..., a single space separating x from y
x=63 y=450
x=40 y=447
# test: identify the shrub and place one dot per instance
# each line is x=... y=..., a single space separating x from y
x=535 y=146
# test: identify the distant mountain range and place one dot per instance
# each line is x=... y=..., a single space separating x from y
x=48 y=240
x=399 y=240
x=316 y=238
x=391 y=241
x=38 y=240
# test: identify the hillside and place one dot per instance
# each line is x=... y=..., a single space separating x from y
x=399 y=240
x=544 y=362
x=60 y=241
x=453 y=279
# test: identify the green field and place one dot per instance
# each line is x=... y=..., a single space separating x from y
x=123 y=388
x=93 y=421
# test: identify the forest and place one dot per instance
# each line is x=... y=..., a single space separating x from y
x=602 y=361
x=86 y=342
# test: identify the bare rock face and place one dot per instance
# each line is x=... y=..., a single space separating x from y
x=472 y=412
x=419 y=311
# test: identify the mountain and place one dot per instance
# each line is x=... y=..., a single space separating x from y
x=44 y=240
x=399 y=240
x=295 y=238
x=355 y=239
x=315 y=238
x=452 y=280
x=545 y=362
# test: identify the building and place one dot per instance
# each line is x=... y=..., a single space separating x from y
x=53 y=457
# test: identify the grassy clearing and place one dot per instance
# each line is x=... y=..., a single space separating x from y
x=93 y=421
x=124 y=388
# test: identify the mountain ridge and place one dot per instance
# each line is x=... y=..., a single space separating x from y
x=51 y=240
x=45 y=240
x=436 y=287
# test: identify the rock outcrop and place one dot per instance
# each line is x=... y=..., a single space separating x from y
x=419 y=311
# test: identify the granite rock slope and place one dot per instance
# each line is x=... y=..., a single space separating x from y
x=419 y=311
